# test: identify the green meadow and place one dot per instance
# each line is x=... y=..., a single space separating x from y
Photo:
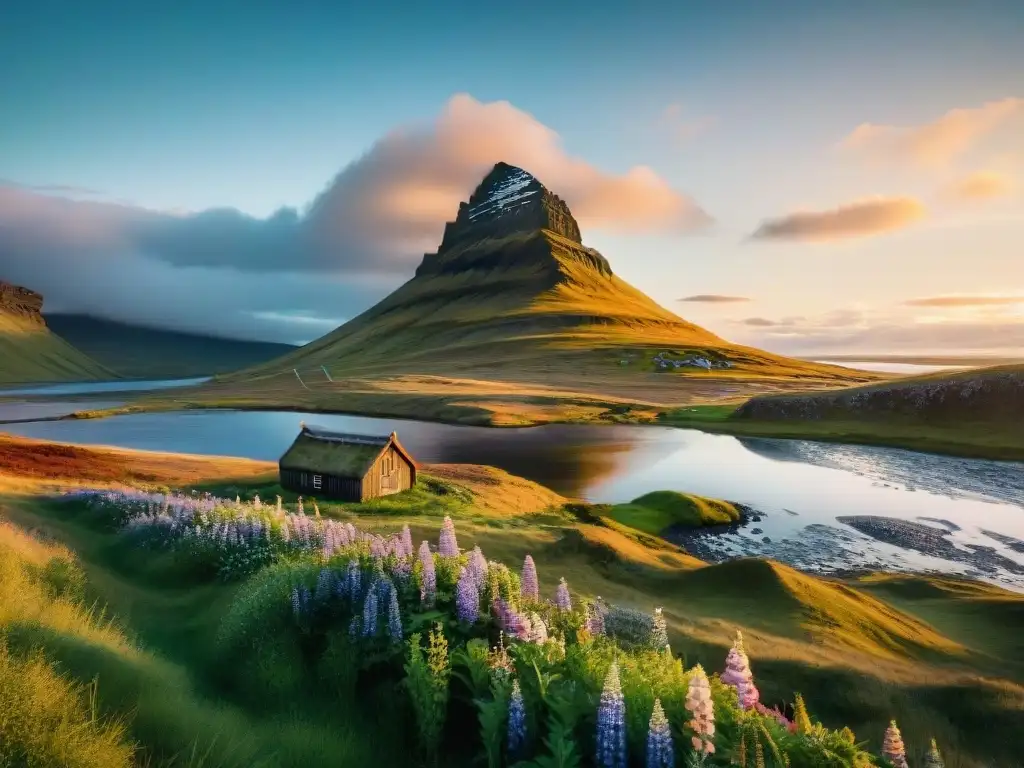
x=132 y=650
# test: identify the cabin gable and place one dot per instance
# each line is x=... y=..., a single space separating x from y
x=346 y=467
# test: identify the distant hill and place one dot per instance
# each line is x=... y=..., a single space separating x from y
x=979 y=396
x=30 y=352
x=512 y=293
x=147 y=353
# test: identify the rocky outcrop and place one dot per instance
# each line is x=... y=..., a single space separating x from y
x=21 y=302
x=507 y=208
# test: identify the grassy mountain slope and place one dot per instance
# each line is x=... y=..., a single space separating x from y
x=527 y=303
x=148 y=353
x=974 y=412
x=30 y=352
x=942 y=656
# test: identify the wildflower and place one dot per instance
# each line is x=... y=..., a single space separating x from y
x=447 y=545
x=611 y=722
x=659 y=740
x=370 y=613
x=478 y=567
x=934 y=758
x=528 y=581
x=738 y=675
x=562 y=598
x=406 y=542
x=467 y=599
x=354 y=579
x=353 y=628
x=659 y=630
x=801 y=719
x=428 y=579
x=296 y=603
x=394 y=617
x=892 y=746
x=702 y=712
x=595 y=619
x=516 y=721
x=538 y=630
x=323 y=586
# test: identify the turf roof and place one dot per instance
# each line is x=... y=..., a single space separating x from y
x=335 y=456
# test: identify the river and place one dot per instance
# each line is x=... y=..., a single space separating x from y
x=800 y=487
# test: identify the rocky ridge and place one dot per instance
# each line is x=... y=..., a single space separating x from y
x=510 y=207
x=21 y=302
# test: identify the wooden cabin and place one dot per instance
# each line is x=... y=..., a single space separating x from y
x=346 y=467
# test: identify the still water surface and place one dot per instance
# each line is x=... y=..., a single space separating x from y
x=94 y=387
x=800 y=486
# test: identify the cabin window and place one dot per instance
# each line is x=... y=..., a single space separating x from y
x=317 y=482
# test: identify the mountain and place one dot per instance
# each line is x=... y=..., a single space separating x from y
x=513 y=293
x=30 y=352
x=148 y=353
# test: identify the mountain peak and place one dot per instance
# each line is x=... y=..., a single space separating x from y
x=509 y=210
x=510 y=199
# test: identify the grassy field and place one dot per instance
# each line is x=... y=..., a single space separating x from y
x=654 y=512
x=146 y=353
x=941 y=656
x=30 y=353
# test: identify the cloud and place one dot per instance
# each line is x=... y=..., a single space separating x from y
x=714 y=298
x=853 y=330
x=937 y=143
x=983 y=185
x=359 y=238
x=861 y=218
x=965 y=301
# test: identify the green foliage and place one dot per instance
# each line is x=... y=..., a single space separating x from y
x=427 y=676
x=47 y=720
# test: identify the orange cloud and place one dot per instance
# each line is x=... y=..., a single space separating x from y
x=412 y=180
x=983 y=185
x=934 y=144
x=965 y=301
x=861 y=218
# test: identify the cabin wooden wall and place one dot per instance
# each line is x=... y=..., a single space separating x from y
x=332 y=487
x=390 y=473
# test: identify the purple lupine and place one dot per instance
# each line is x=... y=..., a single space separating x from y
x=394 y=617
x=528 y=581
x=516 y=721
x=737 y=674
x=370 y=613
x=595 y=619
x=611 y=722
x=355 y=577
x=562 y=597
x=428 y=586
x=702 y=712
x=323 y=586
x=340 y=587
x=467 y=599
x=478 y=568
x=447 y=545
x=659 y=740
x=406 y=542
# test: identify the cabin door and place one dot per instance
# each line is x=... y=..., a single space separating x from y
x=387 y=473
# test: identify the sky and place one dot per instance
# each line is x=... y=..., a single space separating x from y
x=812 y=178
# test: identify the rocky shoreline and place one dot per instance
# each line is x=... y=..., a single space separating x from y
x=928 y=540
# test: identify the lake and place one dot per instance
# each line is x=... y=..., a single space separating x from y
x=801 y=487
